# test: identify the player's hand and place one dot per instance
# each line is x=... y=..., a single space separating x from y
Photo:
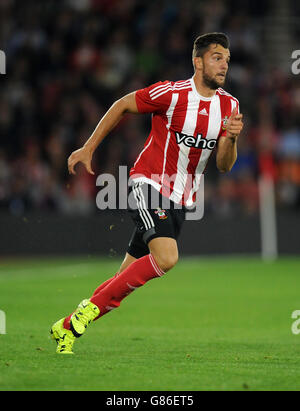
x=234 y=124
x=82 y=155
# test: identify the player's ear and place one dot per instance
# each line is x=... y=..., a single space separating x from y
x=198 y=63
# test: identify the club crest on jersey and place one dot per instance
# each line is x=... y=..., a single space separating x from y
x=197 y=142
x=161 y=213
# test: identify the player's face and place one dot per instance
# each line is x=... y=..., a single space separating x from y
x=215 y=66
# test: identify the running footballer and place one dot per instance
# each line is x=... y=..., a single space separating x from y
x=190 y=119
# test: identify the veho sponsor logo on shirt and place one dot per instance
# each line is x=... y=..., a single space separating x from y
x=196 y=142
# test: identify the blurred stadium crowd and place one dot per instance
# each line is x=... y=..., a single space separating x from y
x=69 y=60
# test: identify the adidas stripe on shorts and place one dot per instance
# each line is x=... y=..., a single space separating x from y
x=153 y=216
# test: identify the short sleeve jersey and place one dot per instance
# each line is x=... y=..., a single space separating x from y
x=185 y=129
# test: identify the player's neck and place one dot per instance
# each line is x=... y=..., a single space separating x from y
x=201 y=88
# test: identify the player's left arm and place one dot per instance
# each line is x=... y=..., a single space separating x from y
x=227 y=145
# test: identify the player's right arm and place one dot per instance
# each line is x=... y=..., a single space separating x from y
x=126 y=104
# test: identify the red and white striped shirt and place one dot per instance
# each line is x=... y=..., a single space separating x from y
x=185 y=130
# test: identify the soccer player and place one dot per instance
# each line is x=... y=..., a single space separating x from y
x=189 y=118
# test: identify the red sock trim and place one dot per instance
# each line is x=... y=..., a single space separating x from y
x=158 y=270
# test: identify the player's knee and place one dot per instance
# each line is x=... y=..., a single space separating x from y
x=166 y=261
x=165 y=252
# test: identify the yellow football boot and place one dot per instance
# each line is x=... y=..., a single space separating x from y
x=82 y=317
x=63 y=337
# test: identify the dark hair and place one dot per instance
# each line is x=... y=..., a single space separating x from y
x=202 y=43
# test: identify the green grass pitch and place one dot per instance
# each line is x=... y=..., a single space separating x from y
x=209 y=324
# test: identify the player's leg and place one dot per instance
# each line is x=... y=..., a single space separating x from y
x=135 y=273
x=153 y=245
x=109 y=297
x=63 y=332
x=128 y=259
x=137 y=268
x=162 y=257
x=164 y=251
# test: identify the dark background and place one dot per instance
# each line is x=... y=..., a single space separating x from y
x=69 y=60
